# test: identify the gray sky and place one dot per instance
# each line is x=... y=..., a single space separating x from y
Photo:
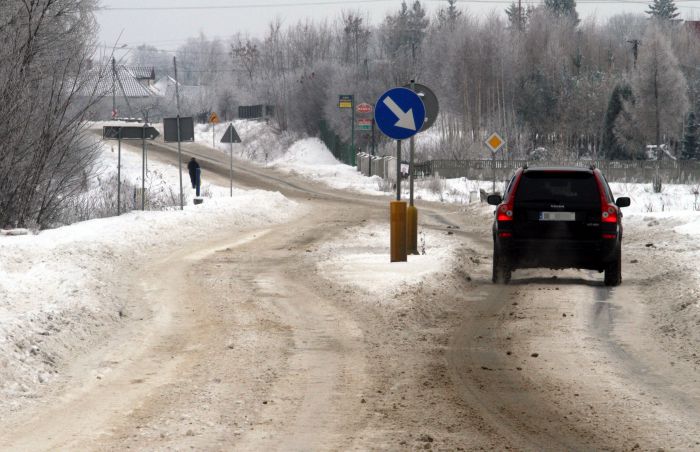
x=168 y=23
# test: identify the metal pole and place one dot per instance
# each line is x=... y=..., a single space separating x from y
x=143 y=169
x=352 y=133
x=119 y=172
x=398 y=170
x=372 y=147
x=412 y=148
x=179 y=150
x=231 y=174
x=493 y=163
x=213 y=132
x=114 y=89
x=373 y=142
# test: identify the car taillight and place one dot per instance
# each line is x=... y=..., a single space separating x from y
x=609 y=213
x=505 y=212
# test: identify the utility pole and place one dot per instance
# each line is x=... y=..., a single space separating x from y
x=179 y=150
x=114 y=89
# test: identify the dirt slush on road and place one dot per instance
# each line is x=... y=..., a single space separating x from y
x=247 y=344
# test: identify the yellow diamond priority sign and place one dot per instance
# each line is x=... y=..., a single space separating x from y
x=214 y=118
x=495 y=142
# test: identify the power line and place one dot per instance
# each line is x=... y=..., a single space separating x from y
x=338 y=2
x=244 y=6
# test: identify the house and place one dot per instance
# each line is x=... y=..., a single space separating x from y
x=652 y=153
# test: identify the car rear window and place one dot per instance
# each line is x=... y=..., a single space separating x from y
x=553 y=186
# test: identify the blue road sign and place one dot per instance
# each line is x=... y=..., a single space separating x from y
x=399 y=113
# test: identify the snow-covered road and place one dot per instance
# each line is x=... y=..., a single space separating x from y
x=281 y=325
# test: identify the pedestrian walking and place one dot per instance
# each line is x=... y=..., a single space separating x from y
x=192 y=167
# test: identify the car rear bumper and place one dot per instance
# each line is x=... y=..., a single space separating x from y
x=559 y=253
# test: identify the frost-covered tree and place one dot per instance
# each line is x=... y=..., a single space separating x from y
x=45 y=158
x=690 y=139
x=660 y=94
x=610 y=146
x=149 y=56
x=517 y=16
x=663 y=10
x=562 y=8
x=448 y=17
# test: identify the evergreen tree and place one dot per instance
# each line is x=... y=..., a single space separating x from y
x=610 y=147
x=562 y=8
x=660 y=95
x=517 y=16
x=663 y=10
x=447 y=17
x=690 y=140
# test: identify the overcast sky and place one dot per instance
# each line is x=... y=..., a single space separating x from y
x=168 y=23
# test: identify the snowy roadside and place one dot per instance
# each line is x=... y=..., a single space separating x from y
x=62 y=290
x=359 y=258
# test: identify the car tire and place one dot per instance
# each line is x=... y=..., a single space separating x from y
x=613 y=271
x=501 y=267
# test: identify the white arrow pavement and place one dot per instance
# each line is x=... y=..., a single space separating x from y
x=406 y=120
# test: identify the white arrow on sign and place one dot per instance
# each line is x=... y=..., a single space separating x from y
x=406 y=120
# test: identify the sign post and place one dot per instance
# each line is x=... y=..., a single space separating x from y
x=231 y=136
x=366 y=125
x=120 y=133
x=348 y=101
x=214 y=120
x=119 y=172
x=399 y=114
x=494 y=142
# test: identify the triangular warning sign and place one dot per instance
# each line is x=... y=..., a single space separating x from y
x=231 y=136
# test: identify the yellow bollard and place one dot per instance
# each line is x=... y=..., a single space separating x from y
x=412 y=230
x=398 y=231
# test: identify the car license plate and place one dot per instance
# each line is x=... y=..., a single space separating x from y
x=557 y=216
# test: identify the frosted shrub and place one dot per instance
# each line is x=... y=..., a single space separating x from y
x=656 y=184
x=435 y=185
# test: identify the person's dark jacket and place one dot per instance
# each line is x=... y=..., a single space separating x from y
x=192 y=167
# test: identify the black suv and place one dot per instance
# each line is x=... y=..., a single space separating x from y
x=557 y=217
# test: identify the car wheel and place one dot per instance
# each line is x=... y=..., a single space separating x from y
x=501 y=267
x=613 y=271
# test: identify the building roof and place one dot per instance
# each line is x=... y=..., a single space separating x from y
x=142 y=72
x=101 y=82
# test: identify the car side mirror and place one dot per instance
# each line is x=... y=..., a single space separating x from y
x=622 y=201
x=494 y=200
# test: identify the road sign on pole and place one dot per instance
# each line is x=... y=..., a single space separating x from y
x=129 y=132
x=495 y=142
x=231 y=136
x=364 y=124
x=399 y=113
x=430 y=100
x=345 y=101
x=170 y=129
x=214 y=118
x=364 y=108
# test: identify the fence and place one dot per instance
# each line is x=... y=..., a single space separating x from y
x=371 y=165
x=643 y=171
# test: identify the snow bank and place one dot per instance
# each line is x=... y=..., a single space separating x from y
x=309 y=151
x=61 y=289
x=360 y=258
